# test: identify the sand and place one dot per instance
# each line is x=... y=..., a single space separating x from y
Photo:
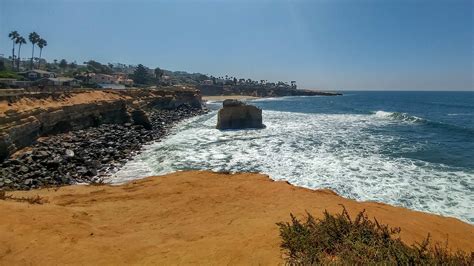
x=184 y=218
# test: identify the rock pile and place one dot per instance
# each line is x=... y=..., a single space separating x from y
x=85 y=156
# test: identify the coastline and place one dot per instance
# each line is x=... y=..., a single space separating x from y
x=233 y=97
x=83 y=137
x=195 y=217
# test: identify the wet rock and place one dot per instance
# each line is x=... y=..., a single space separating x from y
x=69 y=153
x=53 y=163
x=24 y=169
x=139 y=117
x=28 y=182
x=238 y=115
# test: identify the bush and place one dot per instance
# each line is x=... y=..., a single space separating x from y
x=9 y=75
x=31 y=200
x=337 y=239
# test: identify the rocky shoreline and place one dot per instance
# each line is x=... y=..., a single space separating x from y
x=87 y=155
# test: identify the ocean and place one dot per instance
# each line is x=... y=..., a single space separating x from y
x=410 y=149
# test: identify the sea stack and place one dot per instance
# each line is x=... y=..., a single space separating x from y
x=235 y=114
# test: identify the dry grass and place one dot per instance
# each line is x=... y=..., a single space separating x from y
x=31 y=200
x=337 y=239
x=98 y=182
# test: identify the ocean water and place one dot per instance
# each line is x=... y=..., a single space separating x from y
x=411 y=149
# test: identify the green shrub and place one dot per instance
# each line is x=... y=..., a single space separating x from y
x=337 y=239
x=9 y=75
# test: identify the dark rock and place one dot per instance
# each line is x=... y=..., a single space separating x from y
x=69 y=153
x=91 y=172
x=41 y=154
x=139 y=117
x=81 y=170
x=232 y=103
x=238 y=115
x=24 y=169
x=53 y=163
x=79 y=156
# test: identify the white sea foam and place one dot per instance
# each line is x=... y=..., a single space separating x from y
x=461 y=114
x=342 y=152
x=398 y=116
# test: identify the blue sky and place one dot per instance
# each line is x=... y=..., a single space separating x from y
x=338 y=44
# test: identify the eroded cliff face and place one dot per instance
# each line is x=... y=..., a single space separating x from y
x=24 y=119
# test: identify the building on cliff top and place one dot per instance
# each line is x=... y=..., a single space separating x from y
x=36 y=74
x=60 y=81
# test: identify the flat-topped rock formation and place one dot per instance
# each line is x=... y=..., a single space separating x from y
x=238 y=115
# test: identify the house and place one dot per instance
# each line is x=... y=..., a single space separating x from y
x=36 y=74
x=61 y=81
x=207 y=82
x=120 y=75
x=124 y=81
x=101 y=78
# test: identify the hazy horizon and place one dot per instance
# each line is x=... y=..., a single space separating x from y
x=328 y=45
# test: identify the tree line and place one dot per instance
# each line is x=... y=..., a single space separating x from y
x=35 y=39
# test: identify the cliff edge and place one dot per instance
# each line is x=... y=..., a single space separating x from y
x=193 y=217
x=25 y=118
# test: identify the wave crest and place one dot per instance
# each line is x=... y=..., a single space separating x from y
x=399 y=116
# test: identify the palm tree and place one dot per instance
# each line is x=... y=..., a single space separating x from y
x=34 y=38
x=13 y=36
x=20 y=40
x=41 y=44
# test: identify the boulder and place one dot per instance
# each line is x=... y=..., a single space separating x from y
x=139 y=117
x=238 y=115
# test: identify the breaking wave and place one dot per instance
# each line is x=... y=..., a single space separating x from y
x=399 y=116
x=404 y=117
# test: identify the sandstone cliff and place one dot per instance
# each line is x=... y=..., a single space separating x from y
x=236 y=115
x=25 y=118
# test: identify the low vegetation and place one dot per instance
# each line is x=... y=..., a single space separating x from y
x=31 y=200
x=338 y=239
x=5 y=74
x=98 y=182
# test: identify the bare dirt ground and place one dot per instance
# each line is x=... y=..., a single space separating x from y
x=184 y=218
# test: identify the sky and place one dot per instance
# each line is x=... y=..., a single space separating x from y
x=322 y=44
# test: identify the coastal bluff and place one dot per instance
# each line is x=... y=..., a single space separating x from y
x=25 y=118
x=260 y=91
x=235 y=114
x=196 y=217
